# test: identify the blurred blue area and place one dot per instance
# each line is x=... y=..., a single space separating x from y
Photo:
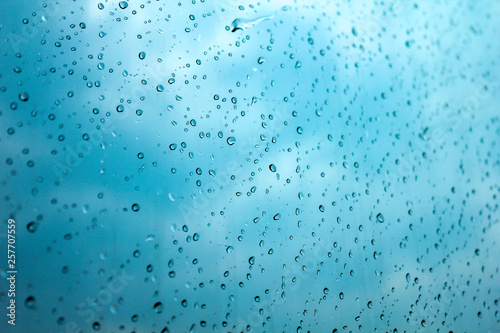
x=271 y=166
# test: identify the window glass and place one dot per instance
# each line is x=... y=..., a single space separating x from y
x=254 y=166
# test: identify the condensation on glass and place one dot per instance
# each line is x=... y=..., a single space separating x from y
x=265 y=166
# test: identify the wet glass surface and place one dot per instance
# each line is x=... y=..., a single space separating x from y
x=272 y=166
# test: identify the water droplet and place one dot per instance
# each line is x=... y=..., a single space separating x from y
x=30 y=302
x=123 y=4
x=158 y=307
x=32 y=227
x=24 y=96
x=380 y=218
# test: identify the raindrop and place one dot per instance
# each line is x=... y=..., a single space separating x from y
x=32 y=227
x=158 y=307
x=30 y=302
x=24 y=96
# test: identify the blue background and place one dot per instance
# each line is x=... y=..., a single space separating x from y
x=308 y=167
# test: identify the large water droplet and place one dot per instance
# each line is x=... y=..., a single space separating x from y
x=242 y=24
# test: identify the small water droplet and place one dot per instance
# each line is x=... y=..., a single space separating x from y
x=32 y=227
x=158 y=307
x=24 y=96
x=30 y=302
